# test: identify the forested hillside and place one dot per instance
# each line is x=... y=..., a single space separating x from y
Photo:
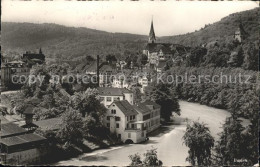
x=222 y=30
x=58 y=41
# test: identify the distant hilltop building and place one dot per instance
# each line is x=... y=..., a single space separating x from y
x=11 y=70
x=159 y=53
x=33 y=58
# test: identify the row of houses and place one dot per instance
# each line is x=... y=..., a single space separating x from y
x=109 y=76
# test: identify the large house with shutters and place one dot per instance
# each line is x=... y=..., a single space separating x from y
x=130 y=122
x=121 y=119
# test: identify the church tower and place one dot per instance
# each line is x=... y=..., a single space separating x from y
x=152 y=38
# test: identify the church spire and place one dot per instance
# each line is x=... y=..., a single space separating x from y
x=152 y=38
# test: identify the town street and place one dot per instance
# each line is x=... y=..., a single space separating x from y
x=168 y=140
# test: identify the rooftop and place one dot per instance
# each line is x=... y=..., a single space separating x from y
x=49 y=124
x=11 y=129
x=142 y=108
x=29 y=110
x=92 y=67
x=106 y=67
x=166 y=48
x=126 y=107
x=161 y=64
x=149 y=102
x=107 y=91
x=3 y=119
x=21 y=139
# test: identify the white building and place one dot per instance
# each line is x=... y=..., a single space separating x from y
x=129 y=122
x=120 y=81
x=109 y=95
x=121 y=119
x=143 y=81
x=152 y=119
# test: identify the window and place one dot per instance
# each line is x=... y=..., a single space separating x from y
x=117 y=118
x=109 y=99
x=132 y=126
x=101 y=98
x=108 y=118
x=119 y=136
x=108 y=125
x=113 y=111
x=116 y=98
x=133 y=116
x=117 y=125
x=145 y=117
x=129 y=135
x=130 y=118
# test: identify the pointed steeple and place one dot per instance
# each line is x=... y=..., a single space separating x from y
x=152 y=37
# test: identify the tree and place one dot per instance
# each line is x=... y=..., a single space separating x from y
x=251 y=57
x=150 y=159
x=71 y=127
x=216 y=57
x=200 y=142
x=142 y=60
x=169 y=103
x=86 y=102
x=111 y=59
x=195 y=57
x=137 y=94
x=135 y=160
x=231 y=146
x=236 y=58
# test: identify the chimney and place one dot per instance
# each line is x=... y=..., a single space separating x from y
x=98 y=70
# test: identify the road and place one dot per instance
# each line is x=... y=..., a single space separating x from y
x=167 y=140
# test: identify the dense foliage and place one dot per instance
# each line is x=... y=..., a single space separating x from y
x=216 y=87
x=199 y=140
x=150 y=159
x=162 y=95
x=71 y=130
x=65 y=43
x=222 y=30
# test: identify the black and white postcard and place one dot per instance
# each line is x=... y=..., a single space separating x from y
x=129 y=83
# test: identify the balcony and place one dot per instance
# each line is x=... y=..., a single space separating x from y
x=143 y=128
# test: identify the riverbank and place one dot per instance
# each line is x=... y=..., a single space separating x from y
x=167 y=140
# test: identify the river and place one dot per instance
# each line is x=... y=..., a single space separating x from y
x=167 y=140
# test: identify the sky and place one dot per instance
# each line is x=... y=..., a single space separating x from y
x=169 y=17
